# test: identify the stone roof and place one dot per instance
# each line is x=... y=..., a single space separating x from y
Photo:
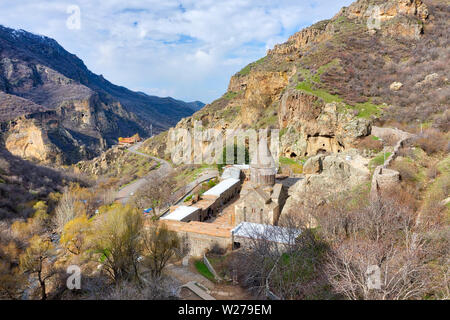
x=276 y=191
x=210 y=229
x=264 y=195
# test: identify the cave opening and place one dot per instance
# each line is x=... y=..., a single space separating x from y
x=293 y=155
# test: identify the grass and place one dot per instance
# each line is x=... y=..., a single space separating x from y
x=367 y=109
x=311 y=85
x=230 y=95
x=246 y=70
x=230 y=113
x=379 y=159
x=203 y=270
x=191 y=173
x=295 y=167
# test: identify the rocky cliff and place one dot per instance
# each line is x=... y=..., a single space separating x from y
x=326 y=85
x=52 y=108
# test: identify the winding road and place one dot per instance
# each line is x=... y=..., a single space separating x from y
x=124 y=194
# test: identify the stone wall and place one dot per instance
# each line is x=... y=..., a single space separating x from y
x=201 y=236
x=383 y=178
x=199 y=244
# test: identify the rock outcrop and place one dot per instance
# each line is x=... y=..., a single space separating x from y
x=326 y=175
x=395 y=86
x=403 y=18
x=313 y=126
x=114 y=158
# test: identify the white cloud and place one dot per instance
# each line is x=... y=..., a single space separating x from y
x=187 y=49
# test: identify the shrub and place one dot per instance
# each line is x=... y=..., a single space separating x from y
x=432 y=141
x=370 y=143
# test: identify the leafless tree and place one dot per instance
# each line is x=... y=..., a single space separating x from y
x=65 y=211
x=160 y=288
x=156 y=193
x=36 y=261
x=283 y=260
x=159 y=246
x=377 y=237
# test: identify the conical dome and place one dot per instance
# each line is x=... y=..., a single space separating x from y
x=262 y=158
x=262 y=166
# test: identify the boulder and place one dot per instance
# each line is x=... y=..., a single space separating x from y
x=313 y=165
x=395 y=86
x=339 y=173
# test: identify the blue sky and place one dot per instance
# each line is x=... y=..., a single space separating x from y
x=184 y=49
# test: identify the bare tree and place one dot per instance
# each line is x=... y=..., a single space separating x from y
x=160 y=245
x=37 y=261
x=285 y=260
x=65 y=211
x=378 y=237
x=155 y=193
x=154 y=289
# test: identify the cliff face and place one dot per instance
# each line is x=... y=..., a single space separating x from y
x=52 y=108
x=325 y=86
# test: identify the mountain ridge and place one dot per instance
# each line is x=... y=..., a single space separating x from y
x=40 y=79
x=328 y=83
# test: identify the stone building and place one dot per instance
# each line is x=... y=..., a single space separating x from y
x=209 y=204
x=262 y=199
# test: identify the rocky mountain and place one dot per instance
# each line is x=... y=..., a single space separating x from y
x=375 y=61
x=196 y=105
x=53 y=109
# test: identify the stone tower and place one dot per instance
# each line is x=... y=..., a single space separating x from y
x=262 y=166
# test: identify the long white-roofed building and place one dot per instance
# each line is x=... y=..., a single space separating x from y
x=225 y=190
x=184 y=214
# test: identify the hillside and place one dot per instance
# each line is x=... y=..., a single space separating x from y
x=328 y=84
x=53 y=109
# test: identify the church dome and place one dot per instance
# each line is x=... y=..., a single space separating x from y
x=262 y=158
x=262 y=166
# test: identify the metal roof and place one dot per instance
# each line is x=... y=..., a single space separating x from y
x=266 y=232
x=180 y=213
x=231 y=172
x=222 y=187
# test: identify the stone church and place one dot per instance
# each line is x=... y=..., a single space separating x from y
x=262 y=199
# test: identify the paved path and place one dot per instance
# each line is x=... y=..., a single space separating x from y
x=192 y=285
x=184 y=275
x=124 y=194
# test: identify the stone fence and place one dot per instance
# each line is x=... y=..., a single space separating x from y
x=384 y=178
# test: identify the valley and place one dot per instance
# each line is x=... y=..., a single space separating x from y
x=344 y=132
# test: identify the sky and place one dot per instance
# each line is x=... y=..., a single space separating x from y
x=184 y=49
